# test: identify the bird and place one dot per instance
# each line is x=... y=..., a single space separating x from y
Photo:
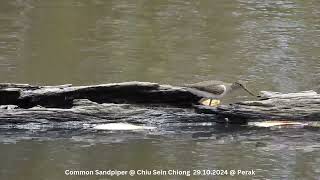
x=215 y=89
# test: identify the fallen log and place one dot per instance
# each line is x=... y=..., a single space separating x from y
x=272 y=106
x=127 y=92
x=143 y=100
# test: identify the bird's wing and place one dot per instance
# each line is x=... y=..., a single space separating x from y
x=205 y=83
x=213 y=87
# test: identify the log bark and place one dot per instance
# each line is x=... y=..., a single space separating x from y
x=133 y=100
x=272 y=106
x=129 y=92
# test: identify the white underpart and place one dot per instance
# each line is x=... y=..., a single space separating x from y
x=224 y=91
x=121 y=126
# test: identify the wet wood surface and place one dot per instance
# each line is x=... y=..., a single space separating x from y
x=23 y=102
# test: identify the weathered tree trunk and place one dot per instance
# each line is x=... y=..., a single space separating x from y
x=24 y=103
x=272 y=105
x=62 y=96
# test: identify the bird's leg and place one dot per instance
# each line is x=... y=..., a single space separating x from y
x=210 y=102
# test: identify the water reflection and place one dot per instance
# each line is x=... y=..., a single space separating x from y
x=272 y=156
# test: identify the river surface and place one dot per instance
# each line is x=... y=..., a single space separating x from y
x=273 y=45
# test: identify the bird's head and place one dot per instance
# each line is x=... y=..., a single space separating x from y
x=241 y=85
x=238 y=85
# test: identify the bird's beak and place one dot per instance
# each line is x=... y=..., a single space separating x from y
x=248 y=91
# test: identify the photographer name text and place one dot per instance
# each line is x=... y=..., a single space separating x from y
x=161 y=172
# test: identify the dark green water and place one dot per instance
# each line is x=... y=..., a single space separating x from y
x=274 y=45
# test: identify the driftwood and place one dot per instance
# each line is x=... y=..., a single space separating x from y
x=272 y=106
x=26 y=96
x=132 y=101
